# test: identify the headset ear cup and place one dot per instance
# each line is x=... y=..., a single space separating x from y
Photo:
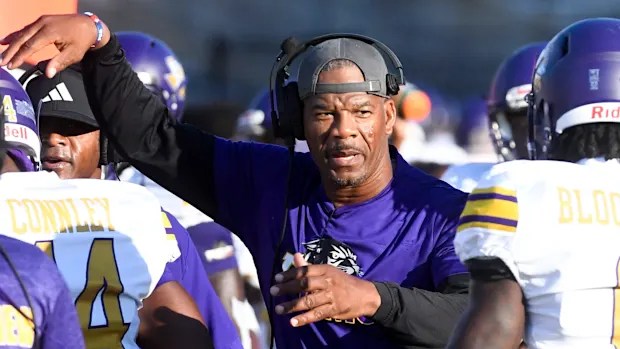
x=392 y=86
x=299 y=121
x=291 y=116
x=296 y=111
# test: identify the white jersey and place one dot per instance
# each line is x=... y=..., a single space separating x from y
x=106 y=237
x=465 y=177
x=186 y=214
x=190 y=216
x=556 y=225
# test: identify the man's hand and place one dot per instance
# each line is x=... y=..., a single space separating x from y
x=73 y=35
x=329 y=293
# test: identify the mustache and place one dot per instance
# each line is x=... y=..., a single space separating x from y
x=56 y=153
x=342 y=147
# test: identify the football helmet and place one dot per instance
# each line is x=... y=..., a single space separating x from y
x=507 y=105
x=21 y=134
x=157 y=67
x=575 y=82
x=255 y=122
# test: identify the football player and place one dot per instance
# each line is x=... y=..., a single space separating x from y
x=72 y=147
x=507 y=111
x=541 y=237
x=36 y=308
x=106 y=239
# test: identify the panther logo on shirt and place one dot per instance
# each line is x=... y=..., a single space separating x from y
x=334 y=253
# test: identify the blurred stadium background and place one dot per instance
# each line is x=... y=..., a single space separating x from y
x=227 y=46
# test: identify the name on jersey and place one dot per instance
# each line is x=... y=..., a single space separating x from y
x=588 y=207
x=60 y=216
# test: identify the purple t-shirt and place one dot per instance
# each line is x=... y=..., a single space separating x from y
x=215 y=245
x=55 y=316
x=404 y=235
x=189 y=272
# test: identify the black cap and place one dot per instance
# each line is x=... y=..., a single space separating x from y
x=62 y=96
x=367 y=58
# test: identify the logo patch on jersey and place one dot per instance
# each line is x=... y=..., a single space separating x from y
x=334 y=253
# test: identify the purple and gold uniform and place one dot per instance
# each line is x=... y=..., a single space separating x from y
x=213 y=242
x=216 y=244
x=57 y=324
x=190 y=274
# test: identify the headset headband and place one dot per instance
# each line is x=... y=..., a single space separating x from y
x=291 y=48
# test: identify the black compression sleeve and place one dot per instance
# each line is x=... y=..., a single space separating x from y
x=177 y=156
x=488 y=269
x=416 y=318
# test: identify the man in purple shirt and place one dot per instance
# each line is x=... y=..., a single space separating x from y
x=71 y=147
x=381 y=230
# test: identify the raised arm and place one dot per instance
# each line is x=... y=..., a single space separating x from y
x=179 y=157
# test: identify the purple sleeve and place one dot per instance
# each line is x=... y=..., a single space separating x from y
x=444 y=261
x=250 y=181
x=62 y=327
x=194 y=279
x=171 y=272
x=215 y=246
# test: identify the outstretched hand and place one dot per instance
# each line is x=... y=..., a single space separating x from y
x=73 y=35
x=329 y=293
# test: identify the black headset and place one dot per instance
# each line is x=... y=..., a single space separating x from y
x=107 y=153
x=286 y=111
x=286 y=107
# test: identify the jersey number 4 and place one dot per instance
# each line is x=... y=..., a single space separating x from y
x=102 y=277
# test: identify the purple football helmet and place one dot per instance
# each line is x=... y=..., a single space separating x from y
x=158 y=68
x=507 y=105
x=576 y=82
x=255 y=122
x=21 y=134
